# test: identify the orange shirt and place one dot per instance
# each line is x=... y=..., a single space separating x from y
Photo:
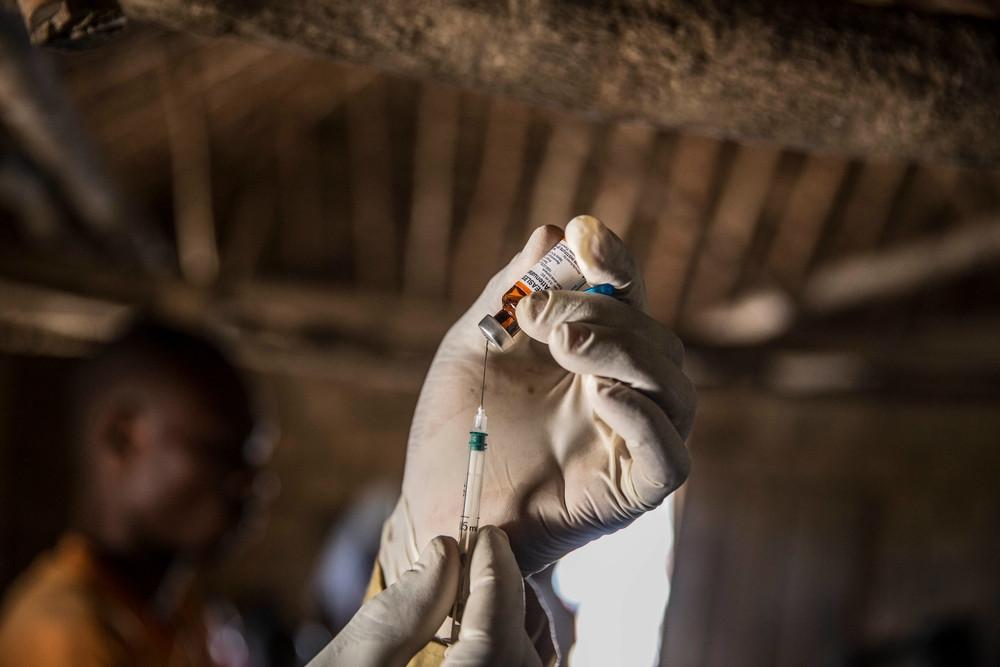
x=66 y=610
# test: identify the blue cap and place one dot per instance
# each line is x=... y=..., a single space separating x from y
x=604 y=288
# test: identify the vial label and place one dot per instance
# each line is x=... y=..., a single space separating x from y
x=557 y=270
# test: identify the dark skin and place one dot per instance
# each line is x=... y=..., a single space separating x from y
x=167 y=477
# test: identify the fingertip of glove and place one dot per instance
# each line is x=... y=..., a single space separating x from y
x=494 y=533
x=540 y=242
x=589 y=238
x=585 y=223
x=493 y=546
x=440 y=549
x=531 y=306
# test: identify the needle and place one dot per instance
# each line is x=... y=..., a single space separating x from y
x=482 y=393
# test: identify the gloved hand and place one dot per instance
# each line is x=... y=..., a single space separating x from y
x=493 y=622
x=391 y=627
x=588 y=413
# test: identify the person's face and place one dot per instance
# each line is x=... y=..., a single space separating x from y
x=185 y=475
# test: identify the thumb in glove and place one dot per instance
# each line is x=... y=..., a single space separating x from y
x=391 y=627
x=492 y=631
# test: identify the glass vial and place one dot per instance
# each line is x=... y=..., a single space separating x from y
x=557 y=270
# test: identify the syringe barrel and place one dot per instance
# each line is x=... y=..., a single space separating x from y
x=470 y=519
x=473 y=494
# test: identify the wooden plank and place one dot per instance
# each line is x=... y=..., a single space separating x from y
x=906 y=269
x=251 y=223
x=473 y=112
x=835 y=77
x=801 y=226
x=426 y=261
x=684 y=207
x=191 y=160
x=559 y=175
x=748 y=600
x=731 y=227
x=979 y=8
x=536 y=142
x=30 y=204
x=373 y=225
x=921 y=206
x=976 y=193
x=302 y=240
x=130 y=116
x=752 y=267
x=701 y=546
x=813 y=622
x=335 y=144
x=651 y=197
x=868 y=208
x=622 y=171
x=38 y=119
x=479 y=249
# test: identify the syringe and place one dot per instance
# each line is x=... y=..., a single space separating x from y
x=472 y=494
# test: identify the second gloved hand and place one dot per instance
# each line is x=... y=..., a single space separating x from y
x=588 y=412
x=391 y=627
x=493 y=623
x=398 y=622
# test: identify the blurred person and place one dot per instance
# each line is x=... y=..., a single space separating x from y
x=165 y=468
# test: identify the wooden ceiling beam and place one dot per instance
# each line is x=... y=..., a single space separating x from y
x=893 y=274
x=191 y=164
x=819 y=76
x=425 y=266
x=560 y=172
x=730 y=229
x=386 y=342
x=36 y=114
x=685 y=207
x=479 y=250
x=376 y=242
x=627 y=160
x=800 y=229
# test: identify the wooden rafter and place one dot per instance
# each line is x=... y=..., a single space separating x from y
x=375 y=236
x=816 y=75
x=617 y=195
x=37 y=115
x=730 y=230
x=559 y=174
x=868 y=207
x=428 y=239
x=191 y=161
x=767 y=314
x=483 y=234
x=801 y=226
x=685 y=208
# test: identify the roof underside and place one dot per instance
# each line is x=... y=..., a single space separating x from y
x=324 y=202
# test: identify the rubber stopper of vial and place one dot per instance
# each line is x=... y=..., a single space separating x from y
x=495 y=333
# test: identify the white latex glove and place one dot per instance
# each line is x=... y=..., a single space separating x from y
x=588 y=413
x=391 y=627
x=493 y=622
x=394 y=625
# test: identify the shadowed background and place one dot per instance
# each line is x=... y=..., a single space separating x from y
x=330 y=221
